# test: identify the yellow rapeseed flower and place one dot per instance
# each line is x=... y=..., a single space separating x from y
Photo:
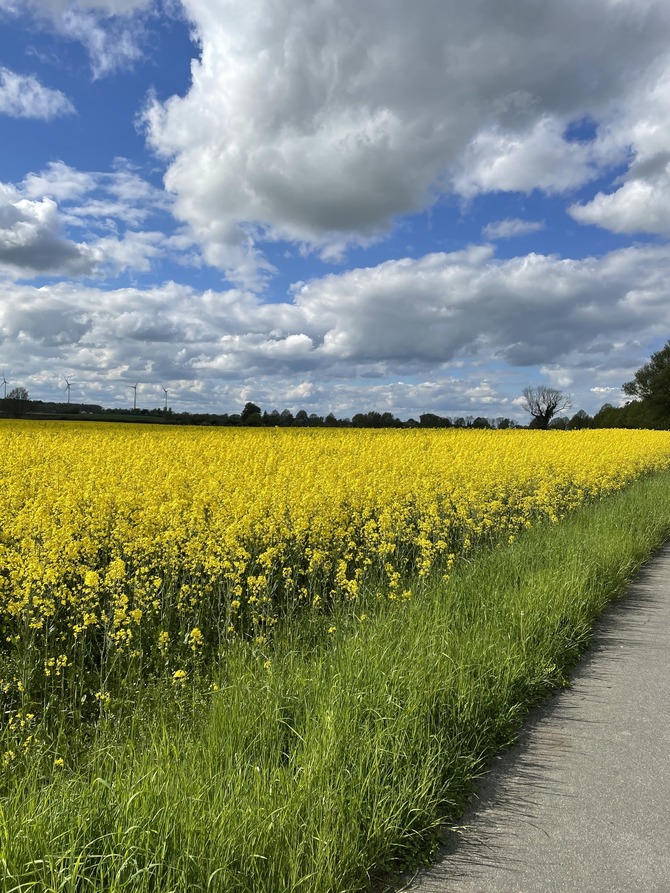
x=112 y=534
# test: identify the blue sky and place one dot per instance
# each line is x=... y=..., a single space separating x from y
x=333 y=206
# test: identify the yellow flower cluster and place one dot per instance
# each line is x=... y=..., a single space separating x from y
x=124 y=545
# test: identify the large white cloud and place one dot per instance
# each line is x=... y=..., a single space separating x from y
x=525 y=310
x=408 y=335
x=321 y=122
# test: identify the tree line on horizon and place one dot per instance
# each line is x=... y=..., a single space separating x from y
x=21 y=406
x=252 y=416
x=649 y=408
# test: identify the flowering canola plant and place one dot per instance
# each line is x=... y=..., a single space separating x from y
x=140 y=550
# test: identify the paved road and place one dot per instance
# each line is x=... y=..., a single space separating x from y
x=582 y=802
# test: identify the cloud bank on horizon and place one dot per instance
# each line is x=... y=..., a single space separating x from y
x=333 y=206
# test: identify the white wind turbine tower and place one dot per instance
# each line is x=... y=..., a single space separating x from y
x=134 y=388
x=166 y=393
x=5 y=383
x=68 y=385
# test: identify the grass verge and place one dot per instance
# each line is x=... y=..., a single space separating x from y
x=338 y=757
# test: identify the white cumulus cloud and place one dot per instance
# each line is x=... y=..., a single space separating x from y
x=410 y=335
x=108 y=210
x=23 y=96
x=641 y=200
x=641 y=204
x=31 y=242
x=322 y=123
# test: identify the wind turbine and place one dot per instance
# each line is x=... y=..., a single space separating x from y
x=68 y=385
x=5 y=383
x=134 y=387
x=166 y=393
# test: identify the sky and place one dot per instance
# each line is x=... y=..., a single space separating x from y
x=333 y=205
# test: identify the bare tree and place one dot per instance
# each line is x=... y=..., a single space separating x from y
x=543 y=404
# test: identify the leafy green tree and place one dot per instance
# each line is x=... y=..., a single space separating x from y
x=388 y=420
x=608 y=416
x=580 y=419
x=251 y=414
x=430 y=420
x=370 y=419
x=17 y=402
x=651 y=385
x=635 y=414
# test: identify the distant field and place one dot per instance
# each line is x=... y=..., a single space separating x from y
x=285 y=630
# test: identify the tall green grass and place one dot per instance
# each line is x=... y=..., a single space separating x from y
x=334 y=760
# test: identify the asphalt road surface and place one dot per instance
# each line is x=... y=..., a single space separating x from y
x=582 y=802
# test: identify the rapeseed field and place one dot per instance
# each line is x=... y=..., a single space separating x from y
x=258 y=661
x=145 y=550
